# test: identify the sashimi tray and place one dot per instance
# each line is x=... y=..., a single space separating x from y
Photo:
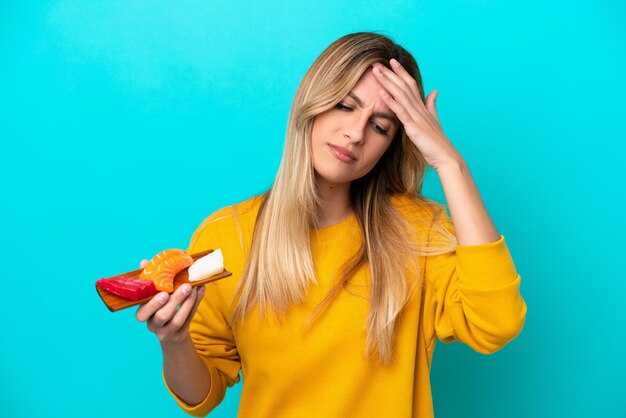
x=116 y=303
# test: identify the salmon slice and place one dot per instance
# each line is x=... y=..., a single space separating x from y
x=164 y=266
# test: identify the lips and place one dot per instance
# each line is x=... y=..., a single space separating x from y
x=342 y=153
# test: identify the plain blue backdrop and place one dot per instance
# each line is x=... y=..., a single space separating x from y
x=123 y=124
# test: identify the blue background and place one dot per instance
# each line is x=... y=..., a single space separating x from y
x=123 y=124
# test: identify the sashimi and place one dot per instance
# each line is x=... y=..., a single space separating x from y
x=128 y=287
x=207 y=266
x=164 y=266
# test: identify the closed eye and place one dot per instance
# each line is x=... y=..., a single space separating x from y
x=380 y=130
x=343 y=107
x=377 y=128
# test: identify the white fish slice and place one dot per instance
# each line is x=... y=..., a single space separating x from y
x=207 y=266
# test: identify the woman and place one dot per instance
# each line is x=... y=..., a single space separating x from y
x=344 y=274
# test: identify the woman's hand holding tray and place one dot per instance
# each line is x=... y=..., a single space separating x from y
x=116 y=303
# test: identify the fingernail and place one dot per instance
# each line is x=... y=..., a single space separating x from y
x=162 y=297
x=186 y=289
x=393 y=62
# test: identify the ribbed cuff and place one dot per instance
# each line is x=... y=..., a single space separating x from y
x=212 y=399
x=485 y=266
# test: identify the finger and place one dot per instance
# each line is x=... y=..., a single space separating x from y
x=431 y=103
x=399 y=94
x=166 y=313
x=405 y=116
x=148 y=309
x=408 y=78
x=409 y=88
x=185 y=328
x=396 y=107
x=181 y=315
x=143 y=264
x=199 y=297
x=379 y=69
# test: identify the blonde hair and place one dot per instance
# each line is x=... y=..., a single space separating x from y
x=280 y=268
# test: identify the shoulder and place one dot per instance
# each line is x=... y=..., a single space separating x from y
x=244 y=210
x=428 y=218
x=428 y=221
x=239 y=216
x=418 y=210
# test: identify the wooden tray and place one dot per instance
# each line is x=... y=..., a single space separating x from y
x=116 y=303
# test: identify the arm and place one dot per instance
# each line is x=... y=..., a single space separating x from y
x=473 y=292
x=472 y=295
x=182 y=367
x=200 y=358
x=213 y=363
x=197 y=371
x=421 y=124
x=184 y=371
x=471 y=221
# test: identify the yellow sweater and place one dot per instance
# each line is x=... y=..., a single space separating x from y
x=471 y=295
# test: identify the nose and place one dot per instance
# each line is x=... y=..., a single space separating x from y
x=355 y=127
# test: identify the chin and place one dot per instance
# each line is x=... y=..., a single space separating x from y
x=334 y=178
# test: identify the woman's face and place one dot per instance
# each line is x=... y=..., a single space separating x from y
x=349 y=139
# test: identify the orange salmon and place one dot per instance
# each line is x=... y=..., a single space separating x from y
x=164 y=266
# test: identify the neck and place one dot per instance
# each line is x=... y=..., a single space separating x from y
x=335 y=202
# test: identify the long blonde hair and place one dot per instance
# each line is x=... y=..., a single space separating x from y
x=280 y=268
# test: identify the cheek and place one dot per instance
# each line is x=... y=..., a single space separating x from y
x=316 y=140
x=315 y=132
x=375 y=152
x=378 y=147
x=321 y=128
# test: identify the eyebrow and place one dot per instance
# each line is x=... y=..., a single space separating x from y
x=383 y=115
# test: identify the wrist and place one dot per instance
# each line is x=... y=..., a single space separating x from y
x=173 y=346
x=453 y=163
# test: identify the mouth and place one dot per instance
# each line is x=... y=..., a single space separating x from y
x=342 y=154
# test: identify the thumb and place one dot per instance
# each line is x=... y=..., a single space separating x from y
x=431 y=103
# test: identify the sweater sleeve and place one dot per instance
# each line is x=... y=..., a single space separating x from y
x=212 y=337
x=474 y=295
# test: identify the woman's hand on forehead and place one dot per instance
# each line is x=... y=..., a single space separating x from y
x=420 y=119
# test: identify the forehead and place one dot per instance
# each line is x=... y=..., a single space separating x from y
x=366 y=94
x=367 y=89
